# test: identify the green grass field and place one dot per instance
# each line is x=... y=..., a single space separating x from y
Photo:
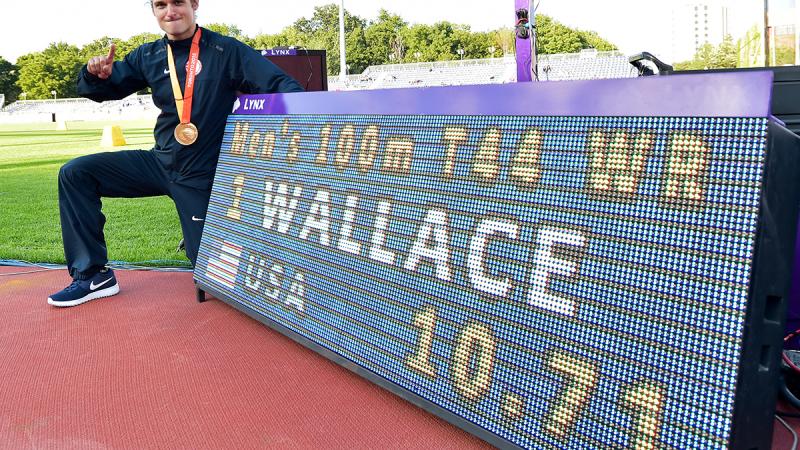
x=142 y=231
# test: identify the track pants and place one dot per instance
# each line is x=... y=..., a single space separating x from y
x=135 y=173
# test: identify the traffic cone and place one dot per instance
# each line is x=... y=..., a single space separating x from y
x=112 y=136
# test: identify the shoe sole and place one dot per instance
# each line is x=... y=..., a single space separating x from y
x=107 y=292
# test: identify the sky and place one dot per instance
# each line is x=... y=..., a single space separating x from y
x=632 y=25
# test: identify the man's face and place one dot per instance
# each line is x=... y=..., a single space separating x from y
x=175 y=17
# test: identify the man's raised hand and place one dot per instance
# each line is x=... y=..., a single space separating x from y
x=101 y=66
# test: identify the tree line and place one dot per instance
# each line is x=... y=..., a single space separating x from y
x=384 y=40
x=747 y=51
x=726 y=55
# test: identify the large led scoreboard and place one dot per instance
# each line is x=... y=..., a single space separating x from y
x=596 y=264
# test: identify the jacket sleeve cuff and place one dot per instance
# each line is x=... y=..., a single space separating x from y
x=89 y=78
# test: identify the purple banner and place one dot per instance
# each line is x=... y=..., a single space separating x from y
x=704 y=95
x=523 y=45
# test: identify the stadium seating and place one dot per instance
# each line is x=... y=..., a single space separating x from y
x=68 y=109
x=585 y=65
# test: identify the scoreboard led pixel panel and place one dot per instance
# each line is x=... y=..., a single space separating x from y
x=558 y=281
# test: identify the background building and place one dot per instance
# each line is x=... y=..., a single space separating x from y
x=783 y=20
x=697 y=23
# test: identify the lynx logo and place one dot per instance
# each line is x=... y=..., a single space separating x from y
x=224 y=267
x=254 y=104
x=279 y=52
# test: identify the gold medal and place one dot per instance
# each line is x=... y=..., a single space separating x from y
x=186 y=133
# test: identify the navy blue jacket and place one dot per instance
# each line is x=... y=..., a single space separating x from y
x=228 y=67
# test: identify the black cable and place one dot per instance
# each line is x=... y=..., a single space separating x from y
x=787 y=360
x=310 y=68
x=787 y=414
x=789 y=396
x=790 y=372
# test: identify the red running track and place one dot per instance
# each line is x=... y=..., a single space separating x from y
x=152 y=368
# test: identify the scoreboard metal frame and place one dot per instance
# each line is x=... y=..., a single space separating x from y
x=566 y=264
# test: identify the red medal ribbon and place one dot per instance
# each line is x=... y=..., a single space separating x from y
x=194 y=56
